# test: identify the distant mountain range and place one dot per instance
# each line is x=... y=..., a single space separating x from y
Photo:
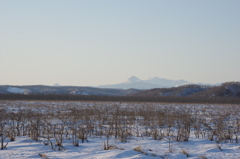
x=156 y=82
x=228 y=89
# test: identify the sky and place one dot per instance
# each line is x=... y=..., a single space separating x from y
x=92 y=42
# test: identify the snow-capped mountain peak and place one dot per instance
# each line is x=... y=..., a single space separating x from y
x=133 y=79
x=56 y=85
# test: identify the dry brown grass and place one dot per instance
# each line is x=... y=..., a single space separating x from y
x=138 y=149
x=202 y=156
x=42 y=155
x=111 y=147
x=185 y=152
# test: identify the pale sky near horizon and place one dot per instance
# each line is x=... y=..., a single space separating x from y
x=92 y=42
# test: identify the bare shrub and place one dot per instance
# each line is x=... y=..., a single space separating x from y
x=219 y=147
x=79 y=123
x=11 y=134
x=59 y=145
x=76 y=145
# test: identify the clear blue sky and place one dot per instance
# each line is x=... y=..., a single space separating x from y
x=93 y=42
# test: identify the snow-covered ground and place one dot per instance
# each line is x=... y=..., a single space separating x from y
x=25 y=147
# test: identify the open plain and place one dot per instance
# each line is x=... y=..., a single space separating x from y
x=65 y=129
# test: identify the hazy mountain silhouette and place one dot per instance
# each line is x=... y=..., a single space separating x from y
x=156 y=82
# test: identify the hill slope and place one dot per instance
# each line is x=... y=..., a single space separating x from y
x=73 y=90
x=228 y=89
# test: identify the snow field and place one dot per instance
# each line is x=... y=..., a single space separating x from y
x=24 y=147
x=141 y=136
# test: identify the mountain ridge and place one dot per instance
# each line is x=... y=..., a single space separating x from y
x=71 y=90
x=155 y=82
x=227 y=89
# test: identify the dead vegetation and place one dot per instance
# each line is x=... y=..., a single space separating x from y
x=202 y=156
x=139 y=149
x=42 y=155
x=219 y=147
x=56 y=122
x=185 y=153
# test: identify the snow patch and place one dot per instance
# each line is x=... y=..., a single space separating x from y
x=18 y=90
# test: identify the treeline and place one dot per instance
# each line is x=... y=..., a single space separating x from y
x=67 y=97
